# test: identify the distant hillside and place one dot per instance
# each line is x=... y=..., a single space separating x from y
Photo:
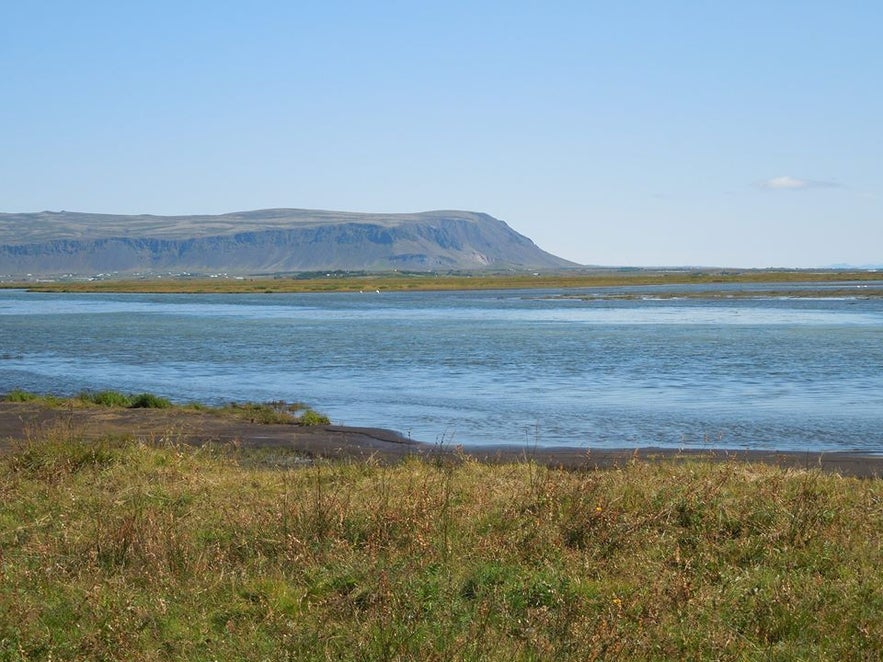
x=263 y=241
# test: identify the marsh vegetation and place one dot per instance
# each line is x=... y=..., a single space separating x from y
x=120 y=550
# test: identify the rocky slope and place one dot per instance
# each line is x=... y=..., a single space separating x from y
x=270 y=240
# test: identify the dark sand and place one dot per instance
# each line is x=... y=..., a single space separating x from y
x=22 y=421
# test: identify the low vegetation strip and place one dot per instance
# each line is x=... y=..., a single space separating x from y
x=421 y=281
x=275 y=412
x=113 y=549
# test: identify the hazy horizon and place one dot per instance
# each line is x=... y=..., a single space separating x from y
x=634 y=134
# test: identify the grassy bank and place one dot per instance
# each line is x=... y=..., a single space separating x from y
x=117 y=550
x=275 y=412
x=345 y=282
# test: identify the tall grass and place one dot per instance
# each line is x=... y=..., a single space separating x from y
x=126 y=551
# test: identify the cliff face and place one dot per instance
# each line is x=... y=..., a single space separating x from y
x=263 y=241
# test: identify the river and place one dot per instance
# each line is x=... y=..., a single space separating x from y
x=585 y=368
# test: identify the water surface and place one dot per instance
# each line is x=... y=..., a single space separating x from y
x=523 y=367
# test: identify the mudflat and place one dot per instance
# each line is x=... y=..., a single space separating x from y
x=23 y=421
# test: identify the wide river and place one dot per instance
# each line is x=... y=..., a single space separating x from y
x=520 y=367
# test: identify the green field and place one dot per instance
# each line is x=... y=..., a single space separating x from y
x=120 y=550
x=346 y=282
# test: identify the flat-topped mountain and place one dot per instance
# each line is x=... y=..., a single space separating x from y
x=263 y=241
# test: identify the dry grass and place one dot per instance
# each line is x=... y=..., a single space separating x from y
x=118 y=550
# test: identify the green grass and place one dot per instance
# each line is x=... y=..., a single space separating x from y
x=18 y=395
x=106 y=398
x=345 y=282
x=118 y=550
x=149 y=401
x=277 y=412
x=312 y=417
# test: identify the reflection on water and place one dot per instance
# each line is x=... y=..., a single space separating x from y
x=483 y=367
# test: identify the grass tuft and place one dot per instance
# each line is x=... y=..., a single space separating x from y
x=106 y=398
x=149 y=401
x=269 y=413
x=312 y=417
x=275 y=413
x=18 y=395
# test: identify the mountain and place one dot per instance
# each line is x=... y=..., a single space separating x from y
x=262 y=241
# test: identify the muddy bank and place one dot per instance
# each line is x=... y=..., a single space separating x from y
x=22 y=421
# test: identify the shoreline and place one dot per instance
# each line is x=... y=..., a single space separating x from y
x=847 y=463
x=20 y=422
x=577 y=278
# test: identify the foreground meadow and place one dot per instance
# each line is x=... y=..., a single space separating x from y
x=120 y=550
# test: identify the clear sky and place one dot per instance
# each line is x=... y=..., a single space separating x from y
x=671 y=132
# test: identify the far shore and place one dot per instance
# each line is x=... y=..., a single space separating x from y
x=429 y=281
x=24 y=421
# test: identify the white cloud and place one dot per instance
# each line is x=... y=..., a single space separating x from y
x=786 y=182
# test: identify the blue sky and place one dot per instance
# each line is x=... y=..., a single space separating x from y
x=615 y=133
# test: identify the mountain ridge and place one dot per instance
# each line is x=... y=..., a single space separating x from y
x=266 y=240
